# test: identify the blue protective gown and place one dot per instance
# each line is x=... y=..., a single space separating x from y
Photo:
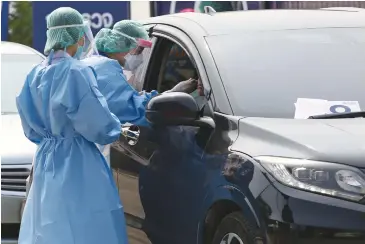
x=123 y=100
x=73 y=198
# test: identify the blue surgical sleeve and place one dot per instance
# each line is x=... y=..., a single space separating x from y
x=91 y=116
x=28 y=131
x=123 y=100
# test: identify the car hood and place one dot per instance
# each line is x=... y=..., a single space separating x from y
x=15 y=147
x=330 y=140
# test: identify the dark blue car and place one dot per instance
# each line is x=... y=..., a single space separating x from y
x=237 y=167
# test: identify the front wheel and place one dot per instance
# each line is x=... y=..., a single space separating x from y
x=234 y=229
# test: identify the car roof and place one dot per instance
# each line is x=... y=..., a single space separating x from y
x=16 y=48
x=264 y=20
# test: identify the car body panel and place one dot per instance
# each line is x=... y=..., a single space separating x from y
x=176 y=175
x=172 y=162
x=6 y=241
x=15 y=147
x=17 y=48
x=12 y=206
x=17 y=153
x=225 y=23
x=293 y=216
x=225 y=194
x=335 y=140
x=317 y=205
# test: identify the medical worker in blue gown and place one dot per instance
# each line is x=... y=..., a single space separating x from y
x=73 y=198
x=122 y=46
x=118 y=49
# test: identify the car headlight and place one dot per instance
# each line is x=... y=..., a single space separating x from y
x=320 y=177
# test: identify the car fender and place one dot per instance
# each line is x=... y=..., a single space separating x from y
x=231 y=193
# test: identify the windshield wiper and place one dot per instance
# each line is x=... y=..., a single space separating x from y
x=348 y=115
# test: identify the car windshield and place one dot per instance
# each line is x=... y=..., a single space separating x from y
x=264 y=73
x=14 y=70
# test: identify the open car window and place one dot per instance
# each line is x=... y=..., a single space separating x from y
x=173 y=65
x=176 y=67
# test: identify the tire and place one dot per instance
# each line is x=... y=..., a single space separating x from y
x=234 y=229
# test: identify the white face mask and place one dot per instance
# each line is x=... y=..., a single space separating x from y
x=132 y=62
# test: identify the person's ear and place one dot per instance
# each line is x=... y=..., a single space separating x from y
x=71 y=50
x=81 y=41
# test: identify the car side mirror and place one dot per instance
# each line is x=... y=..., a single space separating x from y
x=175 y=108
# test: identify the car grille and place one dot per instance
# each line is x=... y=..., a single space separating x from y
x=13 y=178
x=10 y=231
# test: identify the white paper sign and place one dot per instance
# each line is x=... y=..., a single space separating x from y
x=342 y=107
x=306 y=107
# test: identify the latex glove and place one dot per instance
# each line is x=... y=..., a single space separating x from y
x=187 y=86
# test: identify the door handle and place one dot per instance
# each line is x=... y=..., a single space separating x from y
x=131 y=133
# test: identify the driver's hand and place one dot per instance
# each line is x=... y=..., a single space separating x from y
x=187 y=86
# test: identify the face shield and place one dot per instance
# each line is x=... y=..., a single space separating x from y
x=135 y=57
x=89 y=47
x=144 y=43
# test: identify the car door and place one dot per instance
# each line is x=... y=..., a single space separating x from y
x=161 y=177
x=126 y=166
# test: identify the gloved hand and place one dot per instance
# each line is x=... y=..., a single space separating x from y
x=187 y=86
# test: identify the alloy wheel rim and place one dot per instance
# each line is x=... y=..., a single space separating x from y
x=231 y=238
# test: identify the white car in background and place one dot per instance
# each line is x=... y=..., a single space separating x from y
x=16 y=150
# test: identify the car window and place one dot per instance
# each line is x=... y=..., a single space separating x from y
x=170 y=64
x=14 y=70
x=177 y=67
x=264 y=73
